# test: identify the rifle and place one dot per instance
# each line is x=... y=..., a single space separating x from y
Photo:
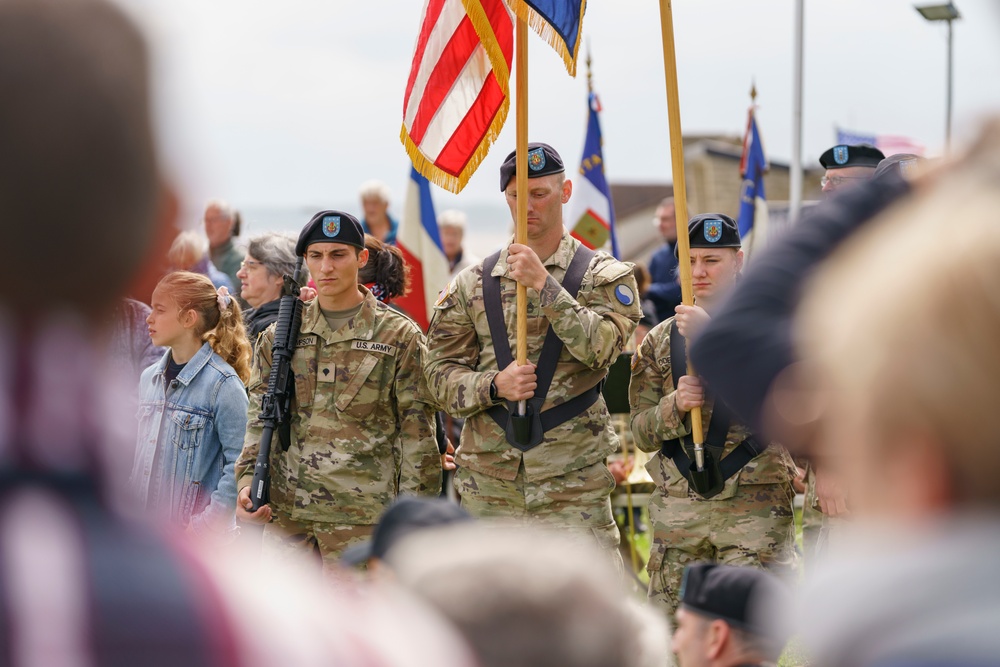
x=276 y=406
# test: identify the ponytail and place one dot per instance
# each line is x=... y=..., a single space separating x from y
x=220 y=321
x=386 y=268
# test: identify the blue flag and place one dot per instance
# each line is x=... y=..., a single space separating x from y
x=752 y=167
x=558 y=22
x=591 y=211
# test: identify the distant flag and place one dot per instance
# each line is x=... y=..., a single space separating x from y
x=753 y=202
x=591 y=210
x=420 y=242
x=456 y=98
x=887 y=143
x=558 y=22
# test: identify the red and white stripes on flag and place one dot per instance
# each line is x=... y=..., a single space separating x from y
x=456 y=98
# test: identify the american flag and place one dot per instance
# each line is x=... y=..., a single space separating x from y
x=456 y=97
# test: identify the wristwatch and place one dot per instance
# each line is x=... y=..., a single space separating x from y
x=493 y=391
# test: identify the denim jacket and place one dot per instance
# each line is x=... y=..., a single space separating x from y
x=190 y=435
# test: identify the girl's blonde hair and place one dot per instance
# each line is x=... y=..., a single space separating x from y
x=220 y=322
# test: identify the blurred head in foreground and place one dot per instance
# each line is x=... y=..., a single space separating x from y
x=902 y=326
x=531 y=598
x=726 y=617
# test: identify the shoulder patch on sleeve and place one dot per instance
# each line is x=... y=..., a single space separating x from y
x=608 y=270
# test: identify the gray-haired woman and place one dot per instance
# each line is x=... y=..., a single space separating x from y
x=269 y=257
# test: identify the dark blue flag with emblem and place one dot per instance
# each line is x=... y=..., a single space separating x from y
x=591 y=213
x=753 y=202
x=558 y=22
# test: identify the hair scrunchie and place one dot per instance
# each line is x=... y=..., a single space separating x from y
x=223 y=298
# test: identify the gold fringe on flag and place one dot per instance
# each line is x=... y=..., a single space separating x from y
x=545 y=30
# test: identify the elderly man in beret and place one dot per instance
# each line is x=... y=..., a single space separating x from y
x=361 y=431
x=548 y=465
x=738 y=509
x=728 y=617
x=848 y=165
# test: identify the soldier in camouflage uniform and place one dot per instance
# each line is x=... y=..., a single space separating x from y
x=563 y=480
x=361 y=431
x=750 y=521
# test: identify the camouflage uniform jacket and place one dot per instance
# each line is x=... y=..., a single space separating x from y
x=362 y=431
x=655 y=419
x=593 y=327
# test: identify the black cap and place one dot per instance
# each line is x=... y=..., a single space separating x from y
x=904 y=164
x=744 y=597
x=859 y=155
x=712 y=230
x=542 y=161
x=407 y=515
x=331 y=227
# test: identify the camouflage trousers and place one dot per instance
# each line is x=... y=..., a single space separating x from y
x=753 y=528
x=579 y=501
x=287 y=540
x=817 y=528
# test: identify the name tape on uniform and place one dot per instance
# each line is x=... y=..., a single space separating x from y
x=371 y=346
x=305 y=341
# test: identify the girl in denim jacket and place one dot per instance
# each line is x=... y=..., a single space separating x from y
x=193 y=405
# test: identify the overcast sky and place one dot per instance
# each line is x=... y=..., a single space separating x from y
x=296 y=103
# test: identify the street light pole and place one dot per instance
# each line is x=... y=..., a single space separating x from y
x=948 y=13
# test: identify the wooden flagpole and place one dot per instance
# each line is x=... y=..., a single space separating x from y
x=521 y=174
x=680 y=197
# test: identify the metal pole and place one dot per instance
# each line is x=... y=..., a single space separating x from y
x=947 y=120
x=795 y=172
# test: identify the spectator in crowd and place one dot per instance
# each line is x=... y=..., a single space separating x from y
x=222 y=225
x=847 y=166
x=728 y=617
x=189 y=252
x=451 y=224
x=375 y=198
x=193 y=405
x=269 y=258
x=649 y=318
x=523 y=596
x=406 y=516
x=665 y=290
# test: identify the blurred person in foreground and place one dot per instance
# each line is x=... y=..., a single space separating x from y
x=79 y=583
x=269 y=258
x=906 y=415
x=375 y=197
x=746 y=517
x=519 y=599
x=730 y=617
x=222 y=225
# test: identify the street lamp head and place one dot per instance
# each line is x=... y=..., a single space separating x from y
x=945 y=12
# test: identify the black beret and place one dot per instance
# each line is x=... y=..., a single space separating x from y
x=744 y=597
x=860 y=155
x=407 y=515
x=542 y=161
x=903 y=164
x=331 y=227
x=713 y=230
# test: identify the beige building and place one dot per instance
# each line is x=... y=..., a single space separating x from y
x=712 y=168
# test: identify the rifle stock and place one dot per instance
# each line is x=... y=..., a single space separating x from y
x=277 y=402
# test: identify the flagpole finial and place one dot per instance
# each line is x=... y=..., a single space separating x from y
x=590 y=76
x=753 y=91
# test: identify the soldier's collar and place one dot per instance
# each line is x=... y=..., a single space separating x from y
x=560 y=258
x=363 y=327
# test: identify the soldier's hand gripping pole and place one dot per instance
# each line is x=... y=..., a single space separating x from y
x=680 y=199
x=276 y=405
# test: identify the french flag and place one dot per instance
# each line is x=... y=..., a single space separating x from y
x=420 y=243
